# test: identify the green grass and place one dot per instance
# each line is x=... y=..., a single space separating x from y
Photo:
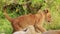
x=54 y=7
x=55 y=12
x=5 y=26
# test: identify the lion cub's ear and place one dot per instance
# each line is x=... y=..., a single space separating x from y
x=46 y=11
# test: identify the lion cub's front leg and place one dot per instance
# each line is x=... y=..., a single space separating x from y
x=40 y=28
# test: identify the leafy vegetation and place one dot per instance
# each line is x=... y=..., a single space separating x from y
x=53 y=5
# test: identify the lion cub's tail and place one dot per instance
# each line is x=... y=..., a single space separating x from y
x=6 y=15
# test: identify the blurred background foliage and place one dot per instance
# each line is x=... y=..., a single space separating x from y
x=21 y=7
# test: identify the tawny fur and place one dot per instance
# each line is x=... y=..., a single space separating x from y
x=23 y=21
x=29 y=30
x=52 y=32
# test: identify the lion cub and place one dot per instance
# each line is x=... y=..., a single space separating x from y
x=23 y=21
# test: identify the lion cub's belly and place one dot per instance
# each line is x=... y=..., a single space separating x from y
x=25 y=23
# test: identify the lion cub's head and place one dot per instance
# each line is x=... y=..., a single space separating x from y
x=47 y=15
